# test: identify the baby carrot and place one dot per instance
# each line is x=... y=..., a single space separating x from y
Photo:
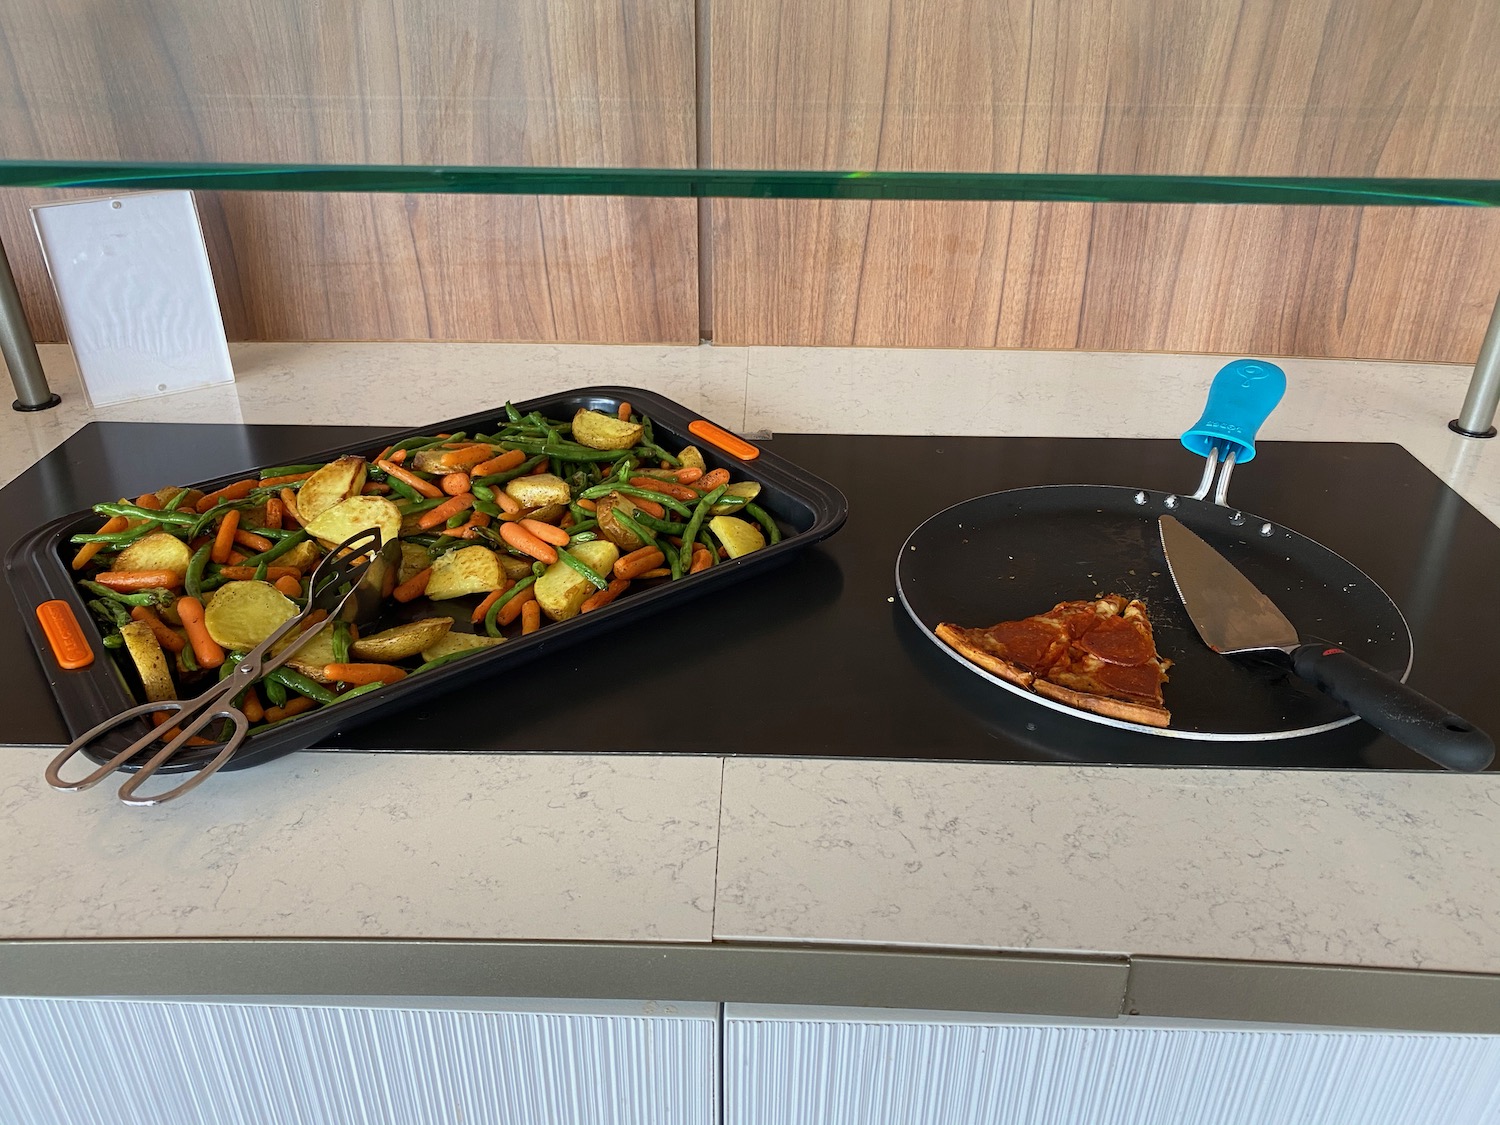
x=364 y=673
x=587 y=505
x=293 y=706
x=638 y=562
x=89 y=550
x=224 y=540
x=251 y=705
x=655 y=572
x=450 y=507
x=546 y=532
x=127 y=581
x=274 y=510
x=525 y=542
x=650 y=507
x=512 y=609
x=666 y=488
x=688 y=475
x=206 y=650
x=253 y=541
x=164 y=635
x=623 y=413
x=531 y=617
x=702 y=560
x=245 y=573
x=148 y=500
x=710 y=481
x=289 y=586
x=413 y=587
x=410 y=479
x=616 y=587
x=507 y=503
x=455 y=484
x=503 y=463
x=289 y=478
x=289 y=506
x=490 y=599
x=542 y=466
x=464 y=457
x=236 y=491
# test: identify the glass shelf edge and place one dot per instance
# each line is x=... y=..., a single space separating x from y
x=756 y=183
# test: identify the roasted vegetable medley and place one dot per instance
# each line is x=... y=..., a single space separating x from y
x=500 y=534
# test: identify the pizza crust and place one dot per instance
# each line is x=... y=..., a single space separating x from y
x=1067 y=661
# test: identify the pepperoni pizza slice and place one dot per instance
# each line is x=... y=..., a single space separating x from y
x=1098 y=656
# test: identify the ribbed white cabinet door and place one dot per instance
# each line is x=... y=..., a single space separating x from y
x=151 y=1062
x=801 y=1066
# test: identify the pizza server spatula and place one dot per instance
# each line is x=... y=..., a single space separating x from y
x=1233 y=616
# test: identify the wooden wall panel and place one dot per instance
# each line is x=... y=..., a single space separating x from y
x=1301 y=87
x=518 y=82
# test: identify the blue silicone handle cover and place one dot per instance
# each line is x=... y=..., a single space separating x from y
x=1242 y=396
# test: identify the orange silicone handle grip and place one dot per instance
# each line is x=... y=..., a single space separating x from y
x=723 y=439
x=64 y=635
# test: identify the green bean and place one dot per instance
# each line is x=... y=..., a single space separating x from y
x=151 y=599
x=173 y=504
x=668 y=502
x=401 y=488
x=192 y=582
x=299 y=683
x=490 y=625
x=271 y=554
x=685 y=557
x=448 y=658
x=275 y=692
x=597 y=581
x=118 y=538
x=189 y=661
x=363 y=689
x=114 y=640
x=634 y=526
x=287 y=470
x=582 y=537
x=491 y=510
x=421 y=504
x=136 y=512
x=759 y=514
x=512 y=413
x=341 y=642
x=661 y=527
x=110 y=612
x=482 y=491
x=260 y=570
x=569 y=449
x=580 y=527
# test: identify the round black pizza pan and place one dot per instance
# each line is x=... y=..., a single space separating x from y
x=1012 y=554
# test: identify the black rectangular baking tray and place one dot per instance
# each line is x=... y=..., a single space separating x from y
x=805 y=507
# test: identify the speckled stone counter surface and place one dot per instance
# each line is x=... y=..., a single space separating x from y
x=1387 y=870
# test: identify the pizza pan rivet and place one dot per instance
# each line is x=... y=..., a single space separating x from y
x=1170 y=501
x=1140 y=497
x=1267 y=529
x=1237 y=519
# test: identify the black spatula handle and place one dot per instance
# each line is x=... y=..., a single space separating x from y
x=1389 y=705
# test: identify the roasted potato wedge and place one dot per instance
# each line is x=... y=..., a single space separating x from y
x=458 y=642
x=157 y=551
x=242 y=614
x=331 y=485
x=304 y=556
x=402 y=641
x=414 y=559
x=513 y=568
x=313 y=655
x=356 y=514
x=604 y=431
x=538 y=490
x=611 y=528
x=692 y=458
x=468 y=570
x=561 y=591
x=739 y=537
x=149 y=660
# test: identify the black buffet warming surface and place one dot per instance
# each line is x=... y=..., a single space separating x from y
x=817 y=658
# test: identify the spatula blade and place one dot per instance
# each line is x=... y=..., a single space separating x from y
x=1229 y=612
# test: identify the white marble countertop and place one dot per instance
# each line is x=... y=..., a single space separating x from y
x=1368 y=869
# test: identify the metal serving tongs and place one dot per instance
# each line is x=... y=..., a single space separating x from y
x=1242 y=396
x=333 y=583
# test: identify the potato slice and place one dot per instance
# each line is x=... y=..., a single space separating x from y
x=468 y=570
x=611 y=528
x=748 y=490
x=402 y=641
x=149 y=660
x=561 y=591
x=304 y=556
x=604 y=431
x=358 y=513
x=738 y=536
x=513 y=568
x=242 y=614
x=692 y=458
x=157 y=551
x=458 y=642
x=331 y=485
x=313 y=655
x=538 y=490
x=414 y=559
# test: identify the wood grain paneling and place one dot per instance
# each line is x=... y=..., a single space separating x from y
x=1302 y=87
x=524 y=82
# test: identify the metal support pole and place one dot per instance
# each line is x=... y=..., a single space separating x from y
x=19 y=349
x=1477 y=418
